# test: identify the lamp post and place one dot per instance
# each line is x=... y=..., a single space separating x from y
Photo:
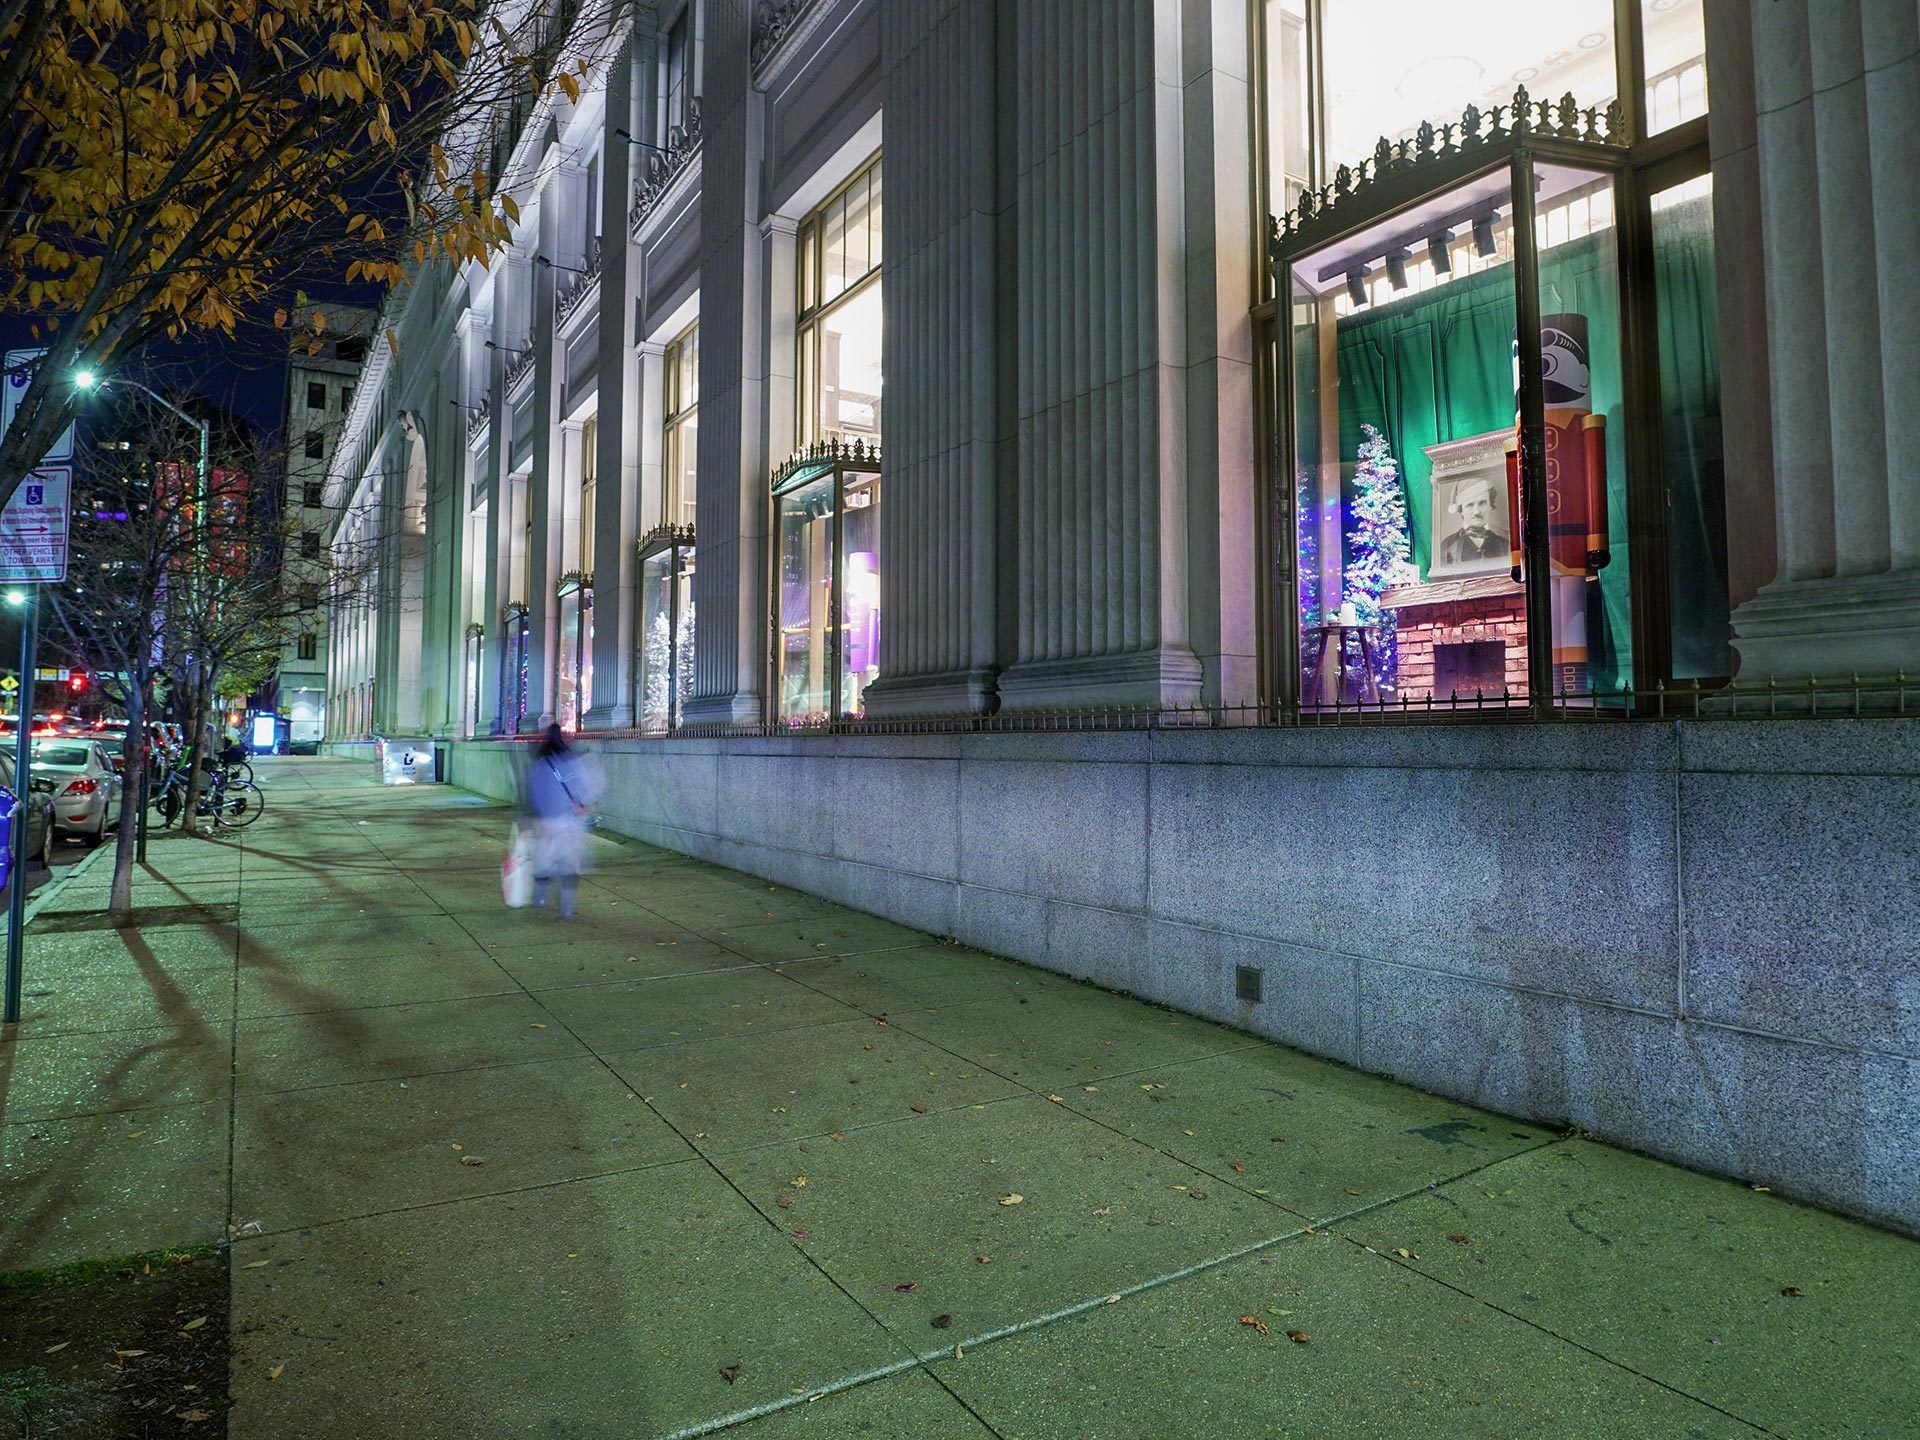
x=21 y=599
x=87 y=380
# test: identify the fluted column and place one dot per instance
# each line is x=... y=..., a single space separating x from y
x=545 y=498
x=730 y=508
x=1836 y=100
x=1890 y=34
x=1100 y=389
x=617 y=463
x=941 y=300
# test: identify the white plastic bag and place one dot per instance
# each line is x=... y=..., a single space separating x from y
x=516 y=870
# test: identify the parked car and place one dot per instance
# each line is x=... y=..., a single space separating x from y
x=86 y=788
x=39 y=814
x=113 y=740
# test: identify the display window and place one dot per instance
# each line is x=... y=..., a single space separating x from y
x=516 y=644
x=840 y=316
x=574 y=688
x=470 y=695
x=827 y=588
x=664 y=675
x=1492 y=300
x=680 y=452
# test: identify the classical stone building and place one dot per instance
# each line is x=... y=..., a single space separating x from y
x=1060 y=475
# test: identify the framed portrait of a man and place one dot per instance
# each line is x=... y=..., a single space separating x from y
x=1472 y=531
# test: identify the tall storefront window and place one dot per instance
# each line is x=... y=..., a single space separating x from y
x=827 y=589
x=516 y=637
x=840 y=321
x=589 y=471
x=574 y=687
x=1453 y=277
x=665 y=671
x=470 y=695
x=680 y=452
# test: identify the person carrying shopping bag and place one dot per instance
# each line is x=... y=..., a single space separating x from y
x=561 y=790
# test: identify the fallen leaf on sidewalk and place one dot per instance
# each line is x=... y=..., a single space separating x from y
x=1012 y=1199
x=1104 y=1210
x=799 y=1182
x=255 y=1264
x=786 y=1199
x=1406 y=1255
x=536 y=1025
x=193 y=1324
x=1056 y=1099
x=1461 y=1239
x=194 y=1415
x=124 y=1355
x=800 y=1234
x=1238 y=1168
x=277 y=1372
x=56 y=1349
x=1299 y=1337
x=917 y=1108
x=730 y=1373
x=473 y=1159
x=1793 y=1292
x=906 y=1289
x=983 y=1259
x=1255 y=1322
x=942 y=1322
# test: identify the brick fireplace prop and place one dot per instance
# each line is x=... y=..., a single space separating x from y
x=1457 y=637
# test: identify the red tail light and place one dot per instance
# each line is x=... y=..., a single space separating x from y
x=82 y=787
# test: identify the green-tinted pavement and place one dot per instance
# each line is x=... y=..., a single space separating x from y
x=492 y=1174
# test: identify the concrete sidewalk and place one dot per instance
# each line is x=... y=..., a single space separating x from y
x=721 y=1154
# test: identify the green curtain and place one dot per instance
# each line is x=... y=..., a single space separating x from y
x=1439 y=366
x=1690 y=438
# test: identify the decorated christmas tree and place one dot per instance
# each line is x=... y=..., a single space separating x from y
x=1377 y=549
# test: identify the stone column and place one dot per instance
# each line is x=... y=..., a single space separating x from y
x=617 y=488
x=942 y=298
x=1835 y=95
x=1100 y=309
x=731 y=507
x=780 y=352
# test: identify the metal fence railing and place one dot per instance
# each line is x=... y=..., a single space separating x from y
x=1855 y=697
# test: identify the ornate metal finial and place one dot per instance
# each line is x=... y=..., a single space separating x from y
x=1569 y=117
x=1423 y=140
x=1590 y=131
x=1614 y=123
x=1522 y=110
x=1470 y=121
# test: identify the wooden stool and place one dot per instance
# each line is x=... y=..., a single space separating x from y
x=1336 y=634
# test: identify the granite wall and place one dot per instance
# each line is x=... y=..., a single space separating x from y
x=1699 y=940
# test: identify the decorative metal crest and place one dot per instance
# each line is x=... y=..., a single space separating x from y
x=477 y=420
x=664 y=535
x=855 y=453
x=1477 y=130
x=773 y=23
x=520 y=364
x=575 y=295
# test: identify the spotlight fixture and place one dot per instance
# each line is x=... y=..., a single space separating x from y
x=1397 y=267
x=1440 y=251
x=1483 y=233
x=556 y=265
x=504 y=349
x=638 y=144
x=1357 y=283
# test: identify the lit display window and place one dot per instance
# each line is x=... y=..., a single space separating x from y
x=664 y=674
x=827 y=586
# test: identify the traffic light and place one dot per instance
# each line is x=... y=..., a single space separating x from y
x=77 y=682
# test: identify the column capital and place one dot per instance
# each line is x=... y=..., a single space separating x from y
x=779 y=225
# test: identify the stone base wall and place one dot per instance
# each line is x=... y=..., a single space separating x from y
x=1698 y=940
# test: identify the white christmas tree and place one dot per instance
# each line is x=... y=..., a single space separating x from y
x=1377 y=549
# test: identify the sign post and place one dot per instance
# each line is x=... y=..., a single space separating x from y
x=23 y=783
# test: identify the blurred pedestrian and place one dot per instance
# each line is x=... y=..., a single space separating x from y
x=560 y=791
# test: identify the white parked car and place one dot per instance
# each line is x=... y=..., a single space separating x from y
x=86 y=788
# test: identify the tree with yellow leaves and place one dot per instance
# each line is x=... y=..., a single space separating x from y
x=170 y=164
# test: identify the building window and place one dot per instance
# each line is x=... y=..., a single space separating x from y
x=575 y=688
x=309 y=647
x=665 y=672
x=840 y=375
x=309 y=545
x=827 y=588
x=312 y=493
x=308 y=597
x=680 y=453
x=680 y=49
x=346 y=398
x=589 y=473
x=1413 y=582
x=516 y=636
x=316 y=445
x=316 y=395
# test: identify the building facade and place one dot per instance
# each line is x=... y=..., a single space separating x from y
x=320 y=383
x=1411 y=438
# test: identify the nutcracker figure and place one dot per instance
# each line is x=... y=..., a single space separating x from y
x=1576 y=456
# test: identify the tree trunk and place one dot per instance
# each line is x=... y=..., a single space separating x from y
x=120 y=901
x=196 y=749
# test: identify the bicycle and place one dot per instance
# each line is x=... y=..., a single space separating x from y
x=225 y=799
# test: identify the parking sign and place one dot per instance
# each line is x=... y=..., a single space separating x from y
x=33 y=528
